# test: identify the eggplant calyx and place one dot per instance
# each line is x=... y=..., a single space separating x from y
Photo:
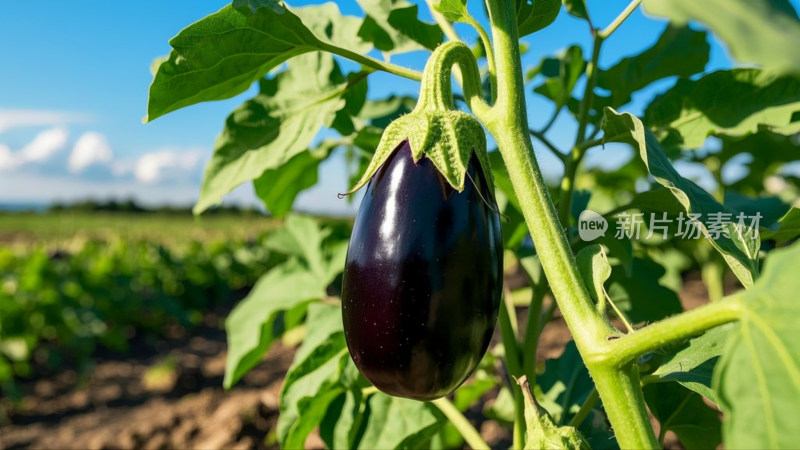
x=435 y=128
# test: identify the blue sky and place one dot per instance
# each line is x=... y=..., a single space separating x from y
x=73 y=91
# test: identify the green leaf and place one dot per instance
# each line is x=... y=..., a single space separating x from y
x=771 y=209
x=692 y=366
x=577 y=8
x=393 y=27
x=758 y=377
x=452 y=10
x=565 y=384
x=329 y=25
x=533 y=15
x=641 y=296
x=733 y=102
x=312 y=381
x=755 y=32
x=398 y=423
x=656 y=200
x=302 y=237
x=562 y=78
x=683 y=411
x=254 y=323
x=279 y=123
x=595 y=270
x=788 y=227
x=279 y=187
x=221 y=55
x=679 y=51
x=739 y=248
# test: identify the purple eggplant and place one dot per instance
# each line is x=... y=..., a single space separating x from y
x=423 y=278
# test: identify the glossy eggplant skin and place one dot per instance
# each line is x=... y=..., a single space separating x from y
x=423 y=278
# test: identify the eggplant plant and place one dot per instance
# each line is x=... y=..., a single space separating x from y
x=423 y=279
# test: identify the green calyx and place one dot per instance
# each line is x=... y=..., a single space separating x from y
x=435 y=128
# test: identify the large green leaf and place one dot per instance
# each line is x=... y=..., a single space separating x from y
x=683 y=411
x=693 y=365
x=312 y=381
x=764 y=32
x=758 y=377
x=562 y=75
x=268 y=130
x=393 y=27
x=733 y=102
x=256 y=320
x=679 y=51
x=279 y=187
x=329 y=25
x=739 y=248
x=533 y=15
x=302 y=237
x=221 y=55
x=641 y=296
x=396 y=423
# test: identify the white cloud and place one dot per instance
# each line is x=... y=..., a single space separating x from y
x=40 y=149
x=152 y=166
x=45 y=145
x=7 y=159
x=15 y=118
x=91 y=148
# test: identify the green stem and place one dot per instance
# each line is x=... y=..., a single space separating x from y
x=370 y=62
x=487 y=45
x=621 y=18
x=532 y=331
x=507 y=121
x=444 y=24
x=674 y=329
x=576 y=155
x=513 y=364
x=436 y=86
x=586 y=408
x=590 y=144
x=464 y=427
x=712 y=274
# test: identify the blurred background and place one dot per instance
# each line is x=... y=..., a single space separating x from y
x=113 y=295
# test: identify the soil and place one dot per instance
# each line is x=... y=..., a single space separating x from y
x=171 y=397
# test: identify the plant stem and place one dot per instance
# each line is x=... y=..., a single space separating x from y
x=589 y=144
x=487 y=46
x=586 y=408
x=507 y=121
x=370 y=62
x=577 y=153
x=464 y=427
x=444 y=24
x=673 y=329
x=532 y=331
x=621 y=18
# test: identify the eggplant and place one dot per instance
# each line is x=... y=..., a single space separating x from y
x=423 y=277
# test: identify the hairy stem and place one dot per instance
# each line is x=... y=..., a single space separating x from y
x=487 y=45
x=372 y=63
x=507 y=121
x=464 y=427
x=674 y=329
x=576 y=155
